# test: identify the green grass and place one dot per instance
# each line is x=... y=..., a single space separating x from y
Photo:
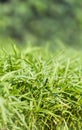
x=40 y=90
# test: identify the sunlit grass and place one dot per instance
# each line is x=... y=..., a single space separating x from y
x=40 y=90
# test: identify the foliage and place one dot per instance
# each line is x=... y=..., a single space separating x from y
x=42 y=20
x=40 y=90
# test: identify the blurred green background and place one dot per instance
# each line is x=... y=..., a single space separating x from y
x=41 y=21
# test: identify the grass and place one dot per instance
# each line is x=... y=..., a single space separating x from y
x=40 y=90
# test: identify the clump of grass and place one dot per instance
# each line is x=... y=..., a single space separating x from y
x=40 y=90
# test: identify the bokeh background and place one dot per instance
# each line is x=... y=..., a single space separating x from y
x=41 y=21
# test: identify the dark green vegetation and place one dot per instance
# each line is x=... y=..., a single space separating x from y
x=39 y=20
x=40 y=90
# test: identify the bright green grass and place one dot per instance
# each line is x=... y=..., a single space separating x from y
x=40 y=90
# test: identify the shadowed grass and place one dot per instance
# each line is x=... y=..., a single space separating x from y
x=40 y=90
